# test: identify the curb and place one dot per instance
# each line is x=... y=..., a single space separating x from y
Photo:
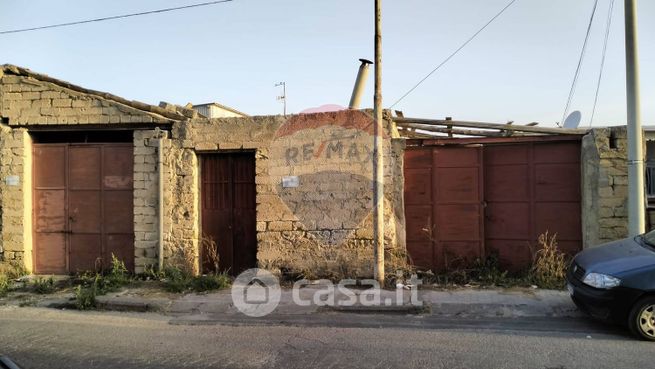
x=131 y=306
x=381 y=309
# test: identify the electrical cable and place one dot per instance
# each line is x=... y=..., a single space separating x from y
x=577 y=70
x=113 y=17
x=454 y=53
x=608 y=25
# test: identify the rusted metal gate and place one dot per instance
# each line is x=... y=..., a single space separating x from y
x=83 y=206
x=443 y=205
x=490 y=196
x=228 y=210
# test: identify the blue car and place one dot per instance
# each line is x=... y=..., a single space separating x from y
x=6 y=363
x=616 y=281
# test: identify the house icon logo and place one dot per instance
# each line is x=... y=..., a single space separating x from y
x=256 y=292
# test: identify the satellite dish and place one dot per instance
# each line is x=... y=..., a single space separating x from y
x=573 y=120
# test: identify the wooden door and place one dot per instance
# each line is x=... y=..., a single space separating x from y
x=83 y=206
x=228 y=210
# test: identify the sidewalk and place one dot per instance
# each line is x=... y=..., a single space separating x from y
x=460 y=303
x=469 y=303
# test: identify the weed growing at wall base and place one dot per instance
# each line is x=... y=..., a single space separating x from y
x=548 y=270
x=43 y=286
x=10 y=271
x=550 y=263
x=92 y=285
x=4 y=285
x=178 y=281
x=85 y=297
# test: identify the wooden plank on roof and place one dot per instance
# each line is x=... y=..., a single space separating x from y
x=420 y=123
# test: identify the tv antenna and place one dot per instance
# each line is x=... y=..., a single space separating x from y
x=283 y=97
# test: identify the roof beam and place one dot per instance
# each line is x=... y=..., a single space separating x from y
x=420 y=123
x=450 y=131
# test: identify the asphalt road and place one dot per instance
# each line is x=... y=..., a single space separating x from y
x=46 y=338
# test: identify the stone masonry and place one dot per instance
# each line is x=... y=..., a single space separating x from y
x=604 y=186
x=29 y=101
x=324 y=227
x=288 y=238
x=321 y=228
x=15 y=220
x=145 y=199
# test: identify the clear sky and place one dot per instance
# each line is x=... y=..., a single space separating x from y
x=520 y=68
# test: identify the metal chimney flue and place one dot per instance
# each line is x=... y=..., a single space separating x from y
x=360 y=84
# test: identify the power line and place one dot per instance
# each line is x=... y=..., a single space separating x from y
x=114 y=17
x=455 y=52
x=608 y=25
x=577 y=70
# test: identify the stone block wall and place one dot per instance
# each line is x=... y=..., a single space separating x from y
x=31 y=101
x=181 y=228
x=15 y=195
x=604 y=186
x=146 y=198
x=27 y=101
x=322 y=228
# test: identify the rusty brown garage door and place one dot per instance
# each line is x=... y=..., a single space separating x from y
x=83 y=206
x=488 y=197
x=419 y=206
x=531 y=188
x=228 y=210
x=443 y=203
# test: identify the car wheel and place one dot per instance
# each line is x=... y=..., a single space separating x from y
x=642 y=319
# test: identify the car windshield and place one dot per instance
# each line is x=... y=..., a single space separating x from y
x=649 y=239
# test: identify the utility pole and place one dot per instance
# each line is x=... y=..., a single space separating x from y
x=636 y=203
x=283 y=97
x=378 y=162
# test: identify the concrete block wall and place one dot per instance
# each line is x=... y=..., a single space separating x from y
x=604 y=186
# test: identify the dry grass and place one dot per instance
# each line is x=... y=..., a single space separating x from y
x=210 y=249
x=12 y=269
x=183 y=273
x=185 y=259
x=4 y=285
x=341 y=263
x=547 y=270
x=398 y=266
x=549 y=263
x=334 y=264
